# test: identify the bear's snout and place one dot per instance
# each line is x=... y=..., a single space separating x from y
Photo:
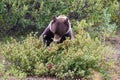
x=56 y=38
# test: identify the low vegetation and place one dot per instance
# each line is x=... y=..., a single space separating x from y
x=71 y=59
x=22 y=54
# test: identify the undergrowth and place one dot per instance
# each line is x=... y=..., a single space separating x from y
x=78 y=58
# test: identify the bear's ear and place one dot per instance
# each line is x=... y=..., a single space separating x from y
x=66 y=21
x=54 y=19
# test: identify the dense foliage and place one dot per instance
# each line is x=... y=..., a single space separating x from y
x=71 y=59
x=20 y=16
x=92 y=20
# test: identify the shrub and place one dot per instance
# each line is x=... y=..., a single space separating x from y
x=105 y=29
x=13 y=74
x=2 y=69
x=77 y=58
x=15 y=15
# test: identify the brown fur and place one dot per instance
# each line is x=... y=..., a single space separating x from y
x=58 y=29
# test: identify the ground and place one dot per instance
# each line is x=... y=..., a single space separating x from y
x=115 y=42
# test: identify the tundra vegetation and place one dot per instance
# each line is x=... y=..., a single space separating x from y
x=22 y=54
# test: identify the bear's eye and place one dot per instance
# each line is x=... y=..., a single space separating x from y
x=66 y=28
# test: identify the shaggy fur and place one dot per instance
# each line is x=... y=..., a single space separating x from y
x=58 y=29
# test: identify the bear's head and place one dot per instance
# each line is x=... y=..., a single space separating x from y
x=59 y=27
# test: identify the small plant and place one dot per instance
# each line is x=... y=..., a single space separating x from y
x=2 y=70
x=13 y=74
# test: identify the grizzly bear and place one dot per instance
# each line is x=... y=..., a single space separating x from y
x=58 y=29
